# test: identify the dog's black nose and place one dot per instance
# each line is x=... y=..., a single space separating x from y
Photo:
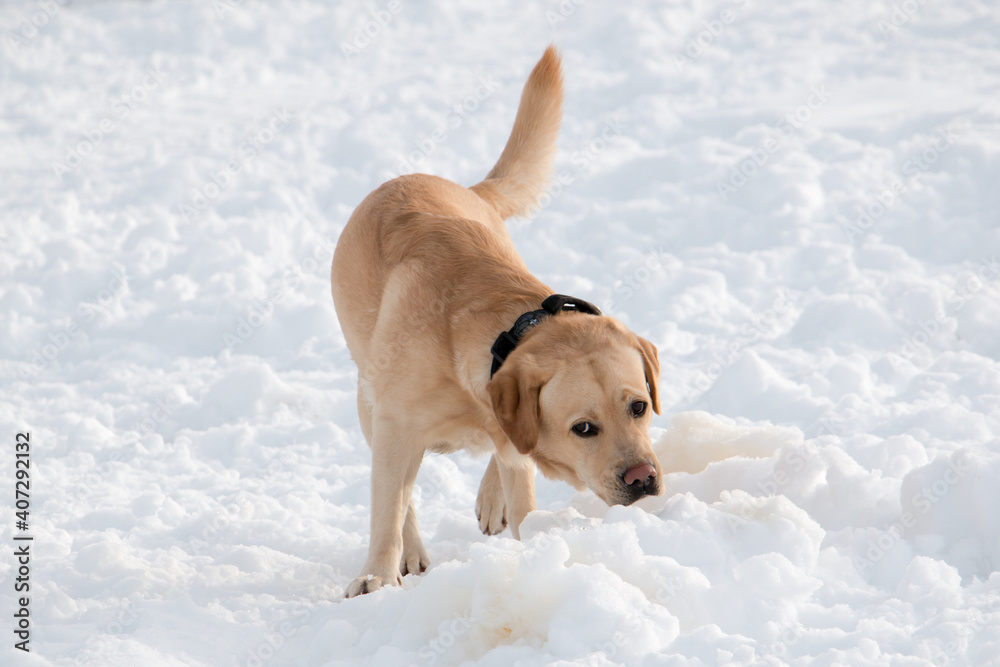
x=641 y=480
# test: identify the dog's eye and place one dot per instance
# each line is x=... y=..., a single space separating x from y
x=638 y=408
x=585 y=429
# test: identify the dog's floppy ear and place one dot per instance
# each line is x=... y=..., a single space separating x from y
x=651 y=367
x=514 y=393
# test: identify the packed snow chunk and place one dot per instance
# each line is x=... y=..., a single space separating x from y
x=709 y=550
x=331 y=638
x=685 y=558
x=89 y=435
x=616 y=545
x=895 y=456
x=845 y=322
x=512 y=594
x=108 y=556
x=542 y=521
x=753 y=388
x=536 y=599
x=605 y=615
x=833 y=488
x=149 y=503
x=949 y=507
x=247 y=392
x=823 y=480
x=878 y=555
x=850 y=375
x=930 y=583
x=697 y=438
x=773 y=585
x=771 y=524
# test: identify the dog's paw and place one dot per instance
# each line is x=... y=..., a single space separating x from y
x=368 y=583
x=414 y=561
x=492 y=513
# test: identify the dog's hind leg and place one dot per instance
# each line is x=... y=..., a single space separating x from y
x=415 y=559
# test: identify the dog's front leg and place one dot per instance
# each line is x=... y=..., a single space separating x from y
x=491 y=509
x=394 y=469
x=517 y=475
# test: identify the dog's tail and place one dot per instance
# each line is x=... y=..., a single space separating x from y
x=524 y=167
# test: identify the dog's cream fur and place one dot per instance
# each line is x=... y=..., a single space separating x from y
x=425 y=277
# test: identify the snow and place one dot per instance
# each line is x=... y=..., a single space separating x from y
x=797 y=202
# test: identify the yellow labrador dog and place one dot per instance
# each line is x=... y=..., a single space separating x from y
x=459 y=346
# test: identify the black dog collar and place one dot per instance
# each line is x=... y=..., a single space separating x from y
x=508 y=340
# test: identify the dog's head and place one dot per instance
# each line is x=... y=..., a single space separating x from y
x=577 y=395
